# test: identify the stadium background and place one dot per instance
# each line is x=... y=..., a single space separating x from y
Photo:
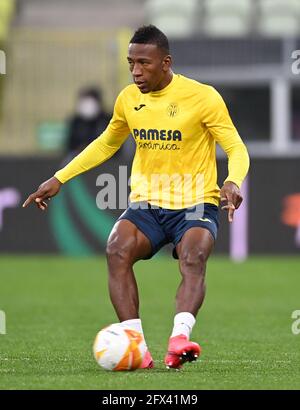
x=244 y=48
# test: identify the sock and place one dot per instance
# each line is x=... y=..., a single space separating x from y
x=183 y=324
x=135 y=324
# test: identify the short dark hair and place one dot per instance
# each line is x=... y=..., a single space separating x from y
x=151 y=35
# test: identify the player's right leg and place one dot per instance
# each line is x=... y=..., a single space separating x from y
x=126 y=245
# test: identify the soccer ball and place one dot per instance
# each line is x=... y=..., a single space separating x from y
x=117 y=348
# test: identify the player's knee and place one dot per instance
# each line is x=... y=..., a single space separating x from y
x=193 y=260
x=120 y=253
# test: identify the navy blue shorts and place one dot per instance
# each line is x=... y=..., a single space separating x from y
x=162 y=226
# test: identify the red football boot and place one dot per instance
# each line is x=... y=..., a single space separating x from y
x=180 y=351
x=147 y=362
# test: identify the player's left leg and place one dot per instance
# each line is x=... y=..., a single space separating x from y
x=193 y=251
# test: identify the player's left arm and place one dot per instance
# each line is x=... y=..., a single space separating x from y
x=222 y=129
x=231 y=198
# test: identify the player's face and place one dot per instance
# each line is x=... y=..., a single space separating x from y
x=149 y=66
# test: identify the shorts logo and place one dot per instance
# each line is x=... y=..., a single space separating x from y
x=205 y=220
x=172 y=110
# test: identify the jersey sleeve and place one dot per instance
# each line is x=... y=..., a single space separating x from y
x=102 y=148
x=221 y=128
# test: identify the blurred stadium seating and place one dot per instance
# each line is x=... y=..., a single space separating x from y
x=175 y=17
x=225 y=18
x=100 y=14
x=279 y=17
x=228 y=17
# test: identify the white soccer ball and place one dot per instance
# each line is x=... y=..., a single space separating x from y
x=117 y=348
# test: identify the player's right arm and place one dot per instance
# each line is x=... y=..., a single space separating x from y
x=97 y=152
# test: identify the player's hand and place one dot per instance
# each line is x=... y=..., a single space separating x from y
x=44 y=192
x=231 y=198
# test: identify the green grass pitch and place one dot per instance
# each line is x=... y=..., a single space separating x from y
x=54 y=307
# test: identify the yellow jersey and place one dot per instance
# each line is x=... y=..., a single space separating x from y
x=175 y=131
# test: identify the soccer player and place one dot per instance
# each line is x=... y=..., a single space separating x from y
x=176 y=123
